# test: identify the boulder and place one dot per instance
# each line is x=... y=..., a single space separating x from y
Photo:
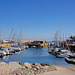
x=3 y=63
x=19 y=62
x=37 y=67
x=14 y=64
x=34 y=69
x=37 y=64
x=28 y=65
x=45 y=67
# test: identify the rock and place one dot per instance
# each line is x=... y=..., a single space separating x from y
x=45 y=67
x=37 y=64
x=15 y=68
x=34 y=69
x=14 y=64
x=23 y=67
x=18 y=62
x=28 y=65
x=3 y=63
x=37 y=67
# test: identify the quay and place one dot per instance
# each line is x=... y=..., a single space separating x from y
x=30 y=43
x=37 y=43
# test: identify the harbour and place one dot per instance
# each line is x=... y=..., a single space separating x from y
x=37 y=37
x=32 y=55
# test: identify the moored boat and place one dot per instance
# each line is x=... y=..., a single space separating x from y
x=62 y=53
x=5 y=51
x=69 y=61
x=1 y=55
x=72 y=55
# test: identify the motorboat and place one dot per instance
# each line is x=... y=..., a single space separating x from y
x=33 y=46
x=72 y=55
x=1 y=55
x=15 y=49
x=26 y=47
x=5 y=51
x=51 y=49
x=63 y=53
x=54 y=49
x=70 y=61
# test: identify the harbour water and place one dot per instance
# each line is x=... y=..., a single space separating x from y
x=32 y=55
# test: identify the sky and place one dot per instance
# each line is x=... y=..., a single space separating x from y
x=36 y=19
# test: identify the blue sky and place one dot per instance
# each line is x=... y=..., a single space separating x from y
x=38 y=19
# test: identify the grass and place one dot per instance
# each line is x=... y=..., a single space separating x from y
x=46 y=65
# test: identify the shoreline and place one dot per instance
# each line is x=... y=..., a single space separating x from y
x=16 y=68
x=62 y=70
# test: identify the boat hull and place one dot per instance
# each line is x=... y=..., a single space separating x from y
x=69 y=61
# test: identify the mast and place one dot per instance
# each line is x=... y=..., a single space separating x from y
x=63 y=40
x=57 y=37
x=60 y=34
x=13 y=38
x=10 y=34
x=20 y=35
x=69 y=37
x=0 y=37
x=66 y=42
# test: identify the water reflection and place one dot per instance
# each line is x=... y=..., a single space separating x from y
x=32 y=55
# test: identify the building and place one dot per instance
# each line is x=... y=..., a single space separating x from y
x=71 y=43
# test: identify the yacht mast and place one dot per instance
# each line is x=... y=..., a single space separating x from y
x=60 y=34
x=0 y=37
x=10 y=34
x=63 y=40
